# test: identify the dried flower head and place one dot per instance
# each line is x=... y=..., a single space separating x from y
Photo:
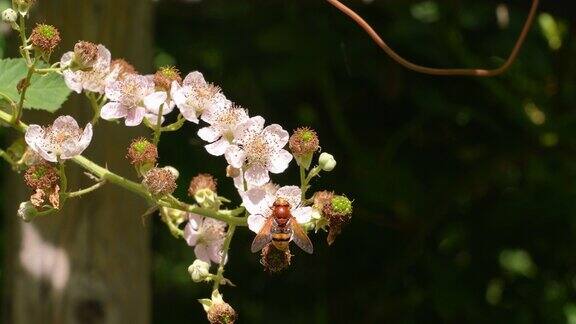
x=41 y=176
x=160 y=181
x=85 y=54
x=338 y=213
x=201 y=182
x=123 y=68
x=221 y=313
x=45 y=37
x=322 y=198
x=304 y=141
x=141 y=152
x=23 y=5
x=275 y=260
x=165 y=76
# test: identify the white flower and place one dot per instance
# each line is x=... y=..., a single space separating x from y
x=132 y=98
x=223 y=122
x=63 y=140
x=153 y=111
x=258 y=202
x=259 y=150
x=207 y=236
x=195 y=96
x=94 y=78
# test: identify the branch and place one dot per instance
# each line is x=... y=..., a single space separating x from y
x=435 y=71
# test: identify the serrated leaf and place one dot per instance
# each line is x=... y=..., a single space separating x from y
x=46 y=92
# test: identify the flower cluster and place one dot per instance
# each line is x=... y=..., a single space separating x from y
x=253 y=150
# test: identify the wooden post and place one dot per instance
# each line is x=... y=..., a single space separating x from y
x=91 y=262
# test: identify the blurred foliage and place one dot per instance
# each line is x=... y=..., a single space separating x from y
x=464 y=188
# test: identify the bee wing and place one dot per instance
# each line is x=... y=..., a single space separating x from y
x=300 y=238
x=263 y=237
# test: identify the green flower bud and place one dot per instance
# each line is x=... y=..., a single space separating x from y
x=199 y=270
x=27 y=211
x=327 y=162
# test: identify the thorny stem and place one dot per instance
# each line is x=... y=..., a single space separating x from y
x=23 y=40
x=225 y=248
x=82 y=192
x=225 y=215
x=435 y=71
x=25 y=86
x=303 y=185
x=305 y=182
x=158 y=129
x=95 y=106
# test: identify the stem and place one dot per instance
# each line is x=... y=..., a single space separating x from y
x=25 y=86
x=228 y=216
x=23 y=40
x=85 y=191
x=225 y=248
x=158 y=129
x=303 y=184
x=95 y=106
x=176 y=125
x=8 y=158
x=306 y=181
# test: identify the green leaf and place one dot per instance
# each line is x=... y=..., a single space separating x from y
x=46 y=92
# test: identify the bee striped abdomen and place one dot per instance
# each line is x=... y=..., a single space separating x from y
x=281 y=240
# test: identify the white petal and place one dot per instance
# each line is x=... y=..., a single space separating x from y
x=202 y=253
x=153 y=119
x=257 y=175
x=113 y=110
x=113 y=91
x=194 y=78
x=209 y=134
x=277 y=135
x=257 y=201
x=248 y=129
x=66 y=59
x=104 y=58
x=235 y=156
x=135 y=116
x=72 y=81
x=195 y=220
x=191 y=235
x=279 y=161
x=302 y=214
x=75 y=146
x=34 y=135
x=291 y=193
x=255 y=222
x=65 y=122
x=86 y=137
x=153 y=101
x=189 y=114
x=215 y=252
x=218 y=148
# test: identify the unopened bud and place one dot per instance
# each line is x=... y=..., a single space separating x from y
x=142 y=154
x=160 y=181
x=199 y=270
x=326 y=162
x=165 y=76
x=45 y=37
x=27 y=211
x=9 y=16
x=303 y=144
x=275 y=260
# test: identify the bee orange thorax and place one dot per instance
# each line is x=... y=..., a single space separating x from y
x=281 y=211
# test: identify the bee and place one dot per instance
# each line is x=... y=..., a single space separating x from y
x=281 y=228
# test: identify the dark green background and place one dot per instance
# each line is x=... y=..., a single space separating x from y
x=464 y=188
